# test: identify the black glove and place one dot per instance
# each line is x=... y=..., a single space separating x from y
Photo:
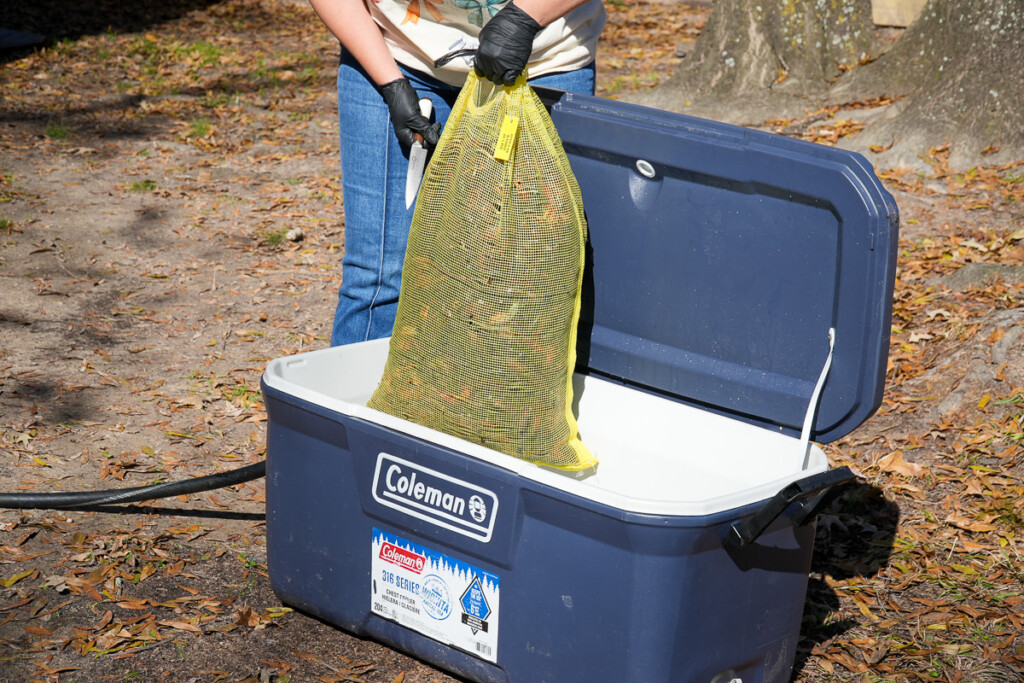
x=506 y=42
x=404 y=105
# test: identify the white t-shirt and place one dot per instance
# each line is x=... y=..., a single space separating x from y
x=420 y=31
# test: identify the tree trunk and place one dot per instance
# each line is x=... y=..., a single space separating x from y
x=780 y=53
x=958 y=70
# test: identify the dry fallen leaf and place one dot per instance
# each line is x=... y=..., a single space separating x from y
x=895 y=463
x=970 y=524
x=181 y=625
x=11 y=580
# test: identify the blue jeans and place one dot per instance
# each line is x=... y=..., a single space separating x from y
x=373 y=170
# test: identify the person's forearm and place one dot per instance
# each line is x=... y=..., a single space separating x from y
x=351 y=23
x=546 y=11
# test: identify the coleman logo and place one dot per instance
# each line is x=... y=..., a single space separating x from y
x=396 y=482
x=435 y=497
x=414 y=562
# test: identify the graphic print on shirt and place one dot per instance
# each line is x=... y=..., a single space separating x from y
x=413 y=13
x=476 y=9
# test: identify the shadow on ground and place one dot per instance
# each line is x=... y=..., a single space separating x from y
x=61 y=19
x=854 y=539
x=170 y=512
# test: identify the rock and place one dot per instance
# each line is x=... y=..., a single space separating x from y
x=979 y=375
x=1003 y=350
x=980 y=274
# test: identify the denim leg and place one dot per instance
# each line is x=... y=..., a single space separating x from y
x=366 y=159
x=373 y=172
x=580 y=81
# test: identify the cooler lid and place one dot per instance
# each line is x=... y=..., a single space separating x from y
x=719 y=257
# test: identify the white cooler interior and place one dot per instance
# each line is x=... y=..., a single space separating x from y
x=655 y=455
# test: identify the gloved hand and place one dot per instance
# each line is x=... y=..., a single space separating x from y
x=506 y=42
x=403 y=103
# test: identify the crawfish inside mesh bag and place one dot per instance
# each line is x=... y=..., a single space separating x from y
x=484 y=342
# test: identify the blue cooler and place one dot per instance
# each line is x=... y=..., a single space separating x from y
x=736 y=306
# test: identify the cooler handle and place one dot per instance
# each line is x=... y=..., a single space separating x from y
x=824 y=488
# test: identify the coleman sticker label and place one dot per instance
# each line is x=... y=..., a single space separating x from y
x=430 y=495
x=439 y=596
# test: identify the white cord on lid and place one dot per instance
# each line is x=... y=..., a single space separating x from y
x=812 y=409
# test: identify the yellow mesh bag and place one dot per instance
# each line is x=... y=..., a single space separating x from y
x=484 y=342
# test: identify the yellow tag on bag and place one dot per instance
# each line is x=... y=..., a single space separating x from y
x=506 y=138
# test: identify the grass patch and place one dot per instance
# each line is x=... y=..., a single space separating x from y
x=213 y=100
x=147 y=185
x=1008 y=515
x=64 y=47
x=7 y=192
x=145 y=48
x=199 y=128
x=207 y=53
x=275 y=239
x=55 y=131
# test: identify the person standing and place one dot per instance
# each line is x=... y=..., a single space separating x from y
x=388 y=52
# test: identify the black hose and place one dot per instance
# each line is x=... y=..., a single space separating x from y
x=25 y=501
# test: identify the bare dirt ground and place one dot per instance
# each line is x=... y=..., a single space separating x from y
x=150 y=176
